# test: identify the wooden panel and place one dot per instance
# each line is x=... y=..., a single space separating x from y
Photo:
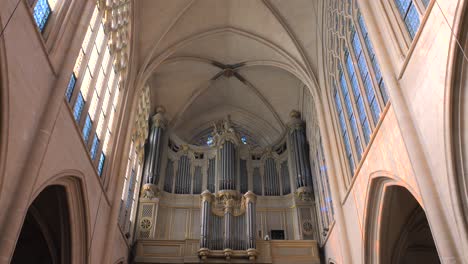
x=179 y=224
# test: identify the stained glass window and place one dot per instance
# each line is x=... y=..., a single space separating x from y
x=70 y=87
x=94 y=146
x=78 y=107
x=409 y=14
x=209 y=140
x=41 y=13
x=98 y=92
x=87 y=128
x=100 y=167
x=356 y=80
x=244 y=139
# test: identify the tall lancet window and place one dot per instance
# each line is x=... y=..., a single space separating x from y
x=356 y=83
x=94 y=89
x=411 y=12
x=130 y=190
x=133 y=173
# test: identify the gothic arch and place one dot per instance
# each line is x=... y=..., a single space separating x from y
x=456 y=130
x=74 y=211
x=4 y=106
x=407 y=231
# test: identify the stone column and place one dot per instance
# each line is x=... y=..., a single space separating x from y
x=300 y=157
x=153 y=164
x=206 y=197
x=250 y=212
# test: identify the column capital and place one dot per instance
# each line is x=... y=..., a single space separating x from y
x=250 y=197
x=150 y=191
x=206 y=196
x=158 y=119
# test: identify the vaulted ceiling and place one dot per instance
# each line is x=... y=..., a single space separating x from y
x=249 y=59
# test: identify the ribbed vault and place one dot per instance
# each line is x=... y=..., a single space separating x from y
x=208 y=59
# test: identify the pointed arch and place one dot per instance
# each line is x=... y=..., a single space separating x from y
x=76 y=207
x=392 y=242
x=4 y=109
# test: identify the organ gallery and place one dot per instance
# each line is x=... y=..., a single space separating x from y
x=228 y=199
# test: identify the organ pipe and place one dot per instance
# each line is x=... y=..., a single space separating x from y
x=299 y=151
x=228 y=162
x=154 y=150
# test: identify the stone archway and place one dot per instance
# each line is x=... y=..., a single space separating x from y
x=397 y=229
x=459 y=119
x=45 y=235
x=405 y=235
x=55 y=228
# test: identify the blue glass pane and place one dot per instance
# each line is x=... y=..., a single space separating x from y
x=369 y=88
x=412 y=21
x=361 y=109
x=375 y=65
x=426 y=2
x=87 y=128
x=41 y=13
x=349 y=64
x=402 y=6
x=70 y=87
x=362 y=66
x=383 y=90
x=362 y=25
x=102 y=159
x=337 y=102
x=349 y=107
x=357 y=143
x=366 y=131
x=375 y=111
x=78 y=108
x=209 y=140
x=352 y=123
x=94 y=146
x=369 y=46
x=351 y=163
x=356 y=44
x=347 y=143
x=244 y=140
x=344 y=87
x=355 y=86
x=130 y=190
x=374 y=62
x=342 y=122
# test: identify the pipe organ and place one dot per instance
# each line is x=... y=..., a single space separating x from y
x=227 y=195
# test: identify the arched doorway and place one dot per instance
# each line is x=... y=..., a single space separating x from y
x=404 y=235
x=45 y=235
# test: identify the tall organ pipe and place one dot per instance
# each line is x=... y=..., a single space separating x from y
x=154 y=150
x=299 y=151
x=228 y=162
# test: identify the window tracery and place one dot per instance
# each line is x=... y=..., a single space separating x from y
x=357 y=86
x=99 y=73
x=134 y=169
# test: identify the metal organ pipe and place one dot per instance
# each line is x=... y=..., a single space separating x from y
x=153 y=156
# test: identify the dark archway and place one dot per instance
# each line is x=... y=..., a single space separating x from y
x=405 y=234
x=45 y=235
